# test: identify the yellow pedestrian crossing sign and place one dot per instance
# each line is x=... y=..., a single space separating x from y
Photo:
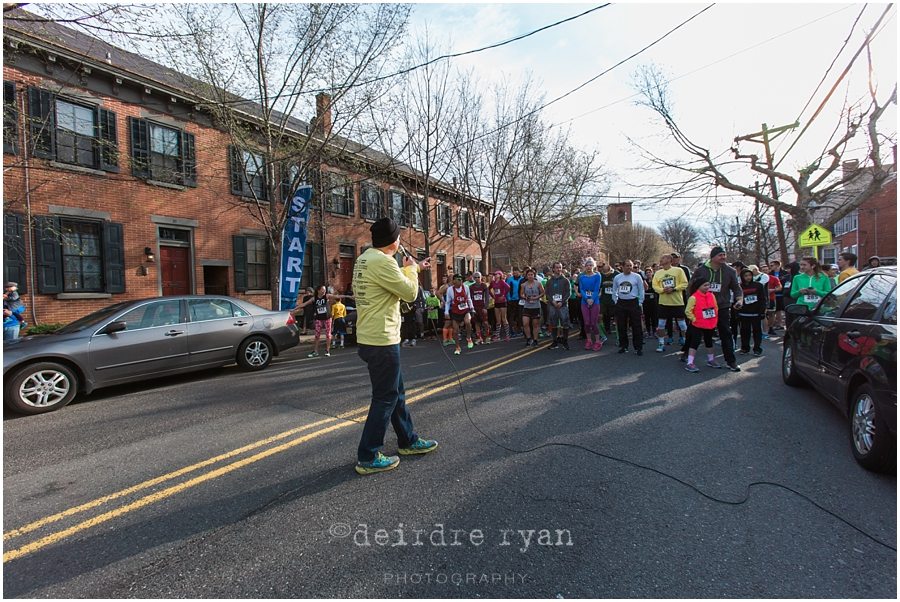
x=815 y=236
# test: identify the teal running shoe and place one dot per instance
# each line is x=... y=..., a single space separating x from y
x=381 y=463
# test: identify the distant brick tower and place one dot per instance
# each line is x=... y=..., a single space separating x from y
x=618 y=213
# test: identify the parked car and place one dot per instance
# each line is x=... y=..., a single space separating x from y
x=138 y=340
x=846 y=347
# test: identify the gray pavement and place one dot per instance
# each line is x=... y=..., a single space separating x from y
x=470 y=520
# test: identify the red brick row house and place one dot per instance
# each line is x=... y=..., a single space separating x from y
x=116 y=187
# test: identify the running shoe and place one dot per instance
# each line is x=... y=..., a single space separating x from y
x=623 y=350
x=534 y=343
x=381 y=463
x=743 y=351
x=448 y=342
x=469 y=344
x=313 y=354
x=714 y=364
x=765 y=337
x=554 y=344
x=412 y=343
x=603 y=338
x=660 y=348
x=668 y=340
x=456 y=351
x=506 y=339
x=598 y=346
x=565 y=345
x=327 y=354
x=681 y=341
x=421 y=446
x=692 y=368
x=487 y=341
x=757 y=352
x=733 y=367
x=588 y=345
x=528 y=342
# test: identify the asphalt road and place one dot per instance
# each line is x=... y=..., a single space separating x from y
x=229 y=484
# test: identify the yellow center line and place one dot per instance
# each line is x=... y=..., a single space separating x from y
x=170 y=491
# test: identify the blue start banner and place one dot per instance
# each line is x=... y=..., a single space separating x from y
x=293 y=245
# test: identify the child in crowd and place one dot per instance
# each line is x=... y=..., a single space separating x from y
x=432 y=309
x=752 y=312
x=703 y=314
x=339 y=318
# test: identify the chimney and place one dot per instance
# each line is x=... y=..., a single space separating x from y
x=322 y=123
x=849 y=167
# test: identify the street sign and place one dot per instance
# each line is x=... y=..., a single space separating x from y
x=815 y=236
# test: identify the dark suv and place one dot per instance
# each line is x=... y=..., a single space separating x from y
x=847 y=349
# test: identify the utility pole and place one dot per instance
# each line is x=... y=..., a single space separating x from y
x=757 y=218
x=779 y=223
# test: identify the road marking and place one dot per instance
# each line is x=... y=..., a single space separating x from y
x=170 y=491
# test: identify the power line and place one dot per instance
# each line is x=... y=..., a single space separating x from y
x=872 y=34
x=432 y=61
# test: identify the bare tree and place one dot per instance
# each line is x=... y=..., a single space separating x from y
x=703 y=171
x=284 y=57
x=746 y=237
x=633 y=241
x=681 y=235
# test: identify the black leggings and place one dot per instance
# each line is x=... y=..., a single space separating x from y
x=696 y=334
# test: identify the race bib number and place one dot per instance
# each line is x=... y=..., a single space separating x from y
x=521 y=301
x=607 y=290
x=715 y=287
x=625 y=288
x=588 y=294
x=463 y=307
x=709 y=313
x=557 y=298
x=477 y=296
x=750 y=299
x=321 y=310
x=668 y=283
x=811 y=298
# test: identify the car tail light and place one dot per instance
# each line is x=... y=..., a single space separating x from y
x=291 y=321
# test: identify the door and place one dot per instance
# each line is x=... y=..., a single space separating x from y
x=174 y=266
x=345 y=273
x=215 y=330
x=815 y=329
x=155 y=342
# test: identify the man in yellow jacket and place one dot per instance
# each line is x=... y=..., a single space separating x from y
x=378 y=286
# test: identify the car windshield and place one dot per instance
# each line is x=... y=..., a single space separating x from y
x=93 y=319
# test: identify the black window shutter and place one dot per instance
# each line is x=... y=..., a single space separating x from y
x=237 y=172
x=189 y=160
x=318 y=273
x=114 y=257
x=239 y=244
x=108 y=141
x=48 y=255
x=140 y=147
x=42 y=122
x=14 y=250
x=287 y=183
x=10 y=120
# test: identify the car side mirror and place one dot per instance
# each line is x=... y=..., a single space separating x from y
x=797 y=309
x=114 y=327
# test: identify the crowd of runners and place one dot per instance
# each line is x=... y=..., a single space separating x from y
x=666 y=303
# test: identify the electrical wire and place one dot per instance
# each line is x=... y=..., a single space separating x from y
x=735 y=502
x=871 y=36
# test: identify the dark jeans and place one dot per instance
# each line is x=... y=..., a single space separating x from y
x=628 y=310
x=650 y=319
x=388 y=401
x=514 y=315
x=747 y=324
x=607 y=314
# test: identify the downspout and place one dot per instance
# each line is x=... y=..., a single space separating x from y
x=29 y=244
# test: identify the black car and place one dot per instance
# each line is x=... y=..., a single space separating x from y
x=846 y=347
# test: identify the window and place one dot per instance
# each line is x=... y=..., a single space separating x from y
x=347 y=250
x=459 y=265
x=70 y=132
x=153 y=315
x=162 y=153
x=371 y=203
x=829 y=256
x=313 y=269
x=465 y=226
x=79 y=256
x=202 y=310
x=848 y=223
x=398 y=208
x=890 y=309
x=248 y=174
x=836 y=298
x=340 y=195
x=14 y=263
x=868 y=300
x=251 y=263
x=482 y=227
x=10 y=119
x=418 y=214
x=175 y=235
x=444 y=219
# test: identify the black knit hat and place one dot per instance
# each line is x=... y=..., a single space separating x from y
x=384 y=232
x=716 y=251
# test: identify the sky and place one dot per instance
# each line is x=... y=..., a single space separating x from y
x=733 y=68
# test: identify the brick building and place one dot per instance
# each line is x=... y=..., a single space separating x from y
x=871 y=228
x=116 y=187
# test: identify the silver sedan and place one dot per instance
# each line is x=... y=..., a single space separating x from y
x=138 y=340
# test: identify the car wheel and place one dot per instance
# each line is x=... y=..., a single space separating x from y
x=255 y=353
x=789 y=367
x=41 y=387
x=872 y=444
